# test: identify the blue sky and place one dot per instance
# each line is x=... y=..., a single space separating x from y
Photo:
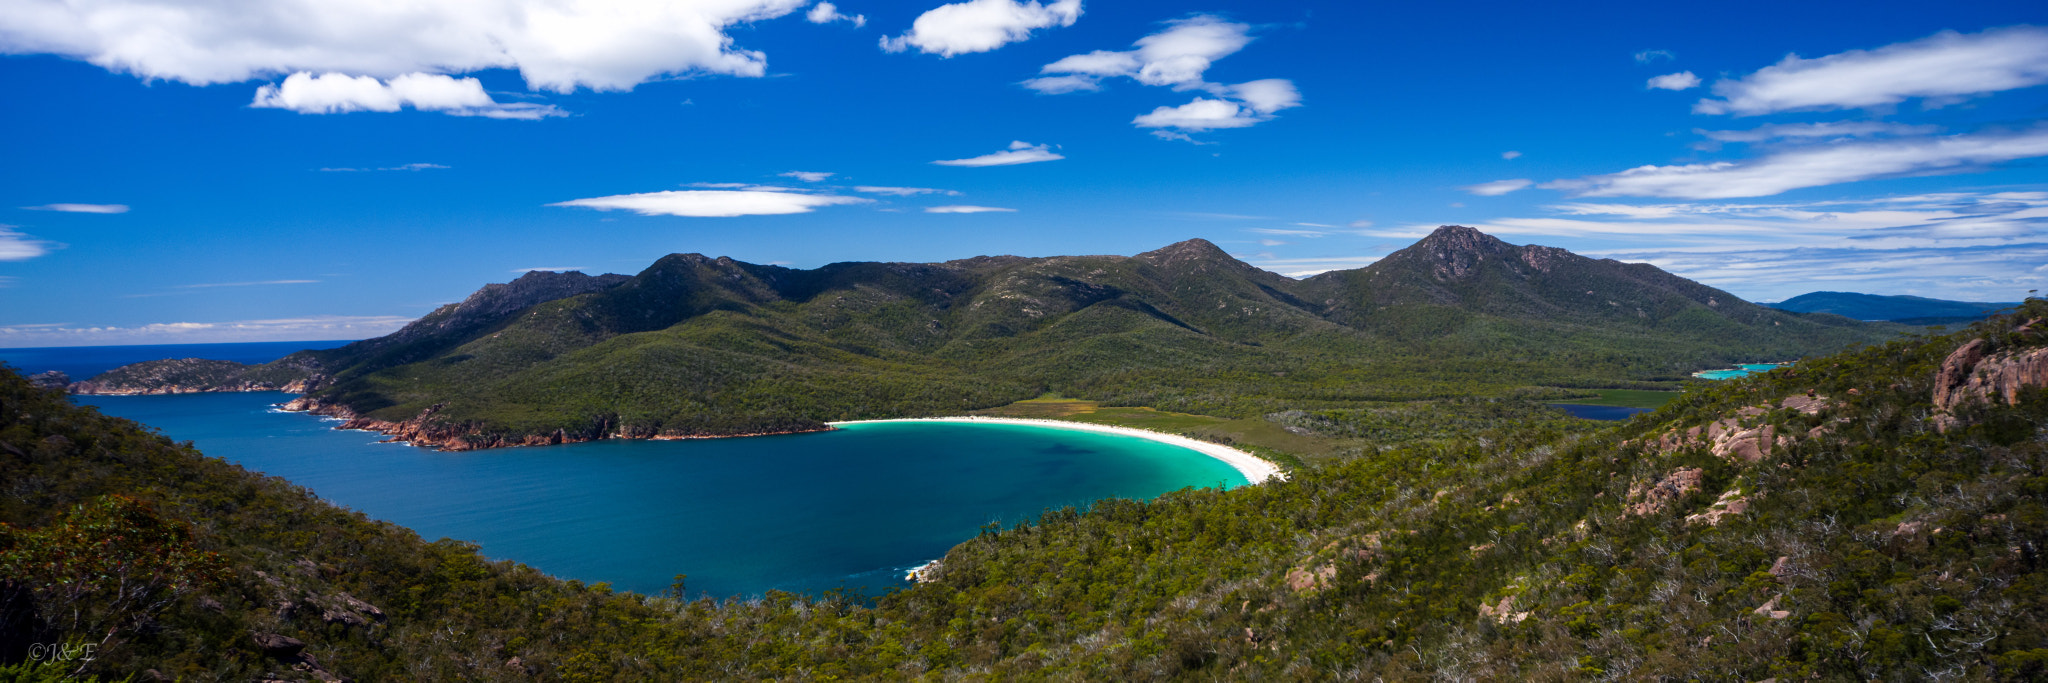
x=252 y=170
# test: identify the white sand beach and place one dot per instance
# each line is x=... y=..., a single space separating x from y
x=1255 y=469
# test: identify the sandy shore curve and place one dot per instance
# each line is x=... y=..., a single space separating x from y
x=1256 y=470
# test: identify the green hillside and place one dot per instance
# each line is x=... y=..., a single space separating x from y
x=1875 y=514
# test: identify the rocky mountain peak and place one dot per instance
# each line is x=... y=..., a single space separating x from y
x=1186 y=251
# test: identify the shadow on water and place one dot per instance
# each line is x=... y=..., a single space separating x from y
x=1585 y=412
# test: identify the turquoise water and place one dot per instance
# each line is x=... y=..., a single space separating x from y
x=1738 y=371
x=804 y=512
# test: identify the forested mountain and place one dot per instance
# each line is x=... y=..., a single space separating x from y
x=1893 y=308
x=1877 y=514
x=702 y=346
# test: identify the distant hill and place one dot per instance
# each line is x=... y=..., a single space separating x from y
x=695 y=345
x=1906 y=309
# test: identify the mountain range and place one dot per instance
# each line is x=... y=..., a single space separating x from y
x=700 y=346
x=1912 y=310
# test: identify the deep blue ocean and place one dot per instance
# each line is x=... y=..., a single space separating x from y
x=82 y=362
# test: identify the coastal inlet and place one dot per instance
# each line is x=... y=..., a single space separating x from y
x=854 y=507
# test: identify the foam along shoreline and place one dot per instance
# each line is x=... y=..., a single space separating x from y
x=1256 y=470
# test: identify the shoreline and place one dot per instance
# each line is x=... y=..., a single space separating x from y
x=1256 y=470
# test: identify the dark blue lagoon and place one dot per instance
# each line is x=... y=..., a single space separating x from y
x=855 y=507
x=1586 y=412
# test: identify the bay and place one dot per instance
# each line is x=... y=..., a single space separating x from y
x=852 y=508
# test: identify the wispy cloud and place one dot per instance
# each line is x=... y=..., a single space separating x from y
x=1511 y=155
x=309 y=328
x=1813 y=167
x=1291 y=233
x=715 y=203
x=808 y=176
x=1313 y=265
x=81 y=208
x=980 y=25
x=903 y=191
x=1498 y=187
x=1650 y=56
x=1828 y=130
x=1939 y=69
x=963 y=208
x=15 y=246
x=401 y=167
x=1020 y=152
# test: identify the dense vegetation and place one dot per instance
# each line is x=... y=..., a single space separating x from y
x=695 y=345
x=1853 y=540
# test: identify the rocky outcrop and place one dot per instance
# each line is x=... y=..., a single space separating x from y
x=1503 y=613
x=54 y=379
x=1649 y=498
x=1973 y=375
x=1319 y=570
x=1731 y=502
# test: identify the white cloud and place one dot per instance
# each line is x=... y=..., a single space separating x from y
x=335 y=93
x=1831 y=129
x=15 y=246
x=1361 y=223
x=1511 y=154
x=1020 y=152
x=968 y=209
x=1683 y=80
x=1272 y=242
x=1648 y=56
x=1285 y=231
x=1314 y=225
x=1200 y=115
x=903 y=191
x=714 y=203
x=310 y=328
x=1305 y=267
x=1941 y=67
x=81 y=208
x=1176 y=57
x=1812 y=167
x=981 y=25
x=557 y=46
x=826 y=13
x=1061 y=85
x=807 y=176
x=1498 y=187
x=401 y=167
